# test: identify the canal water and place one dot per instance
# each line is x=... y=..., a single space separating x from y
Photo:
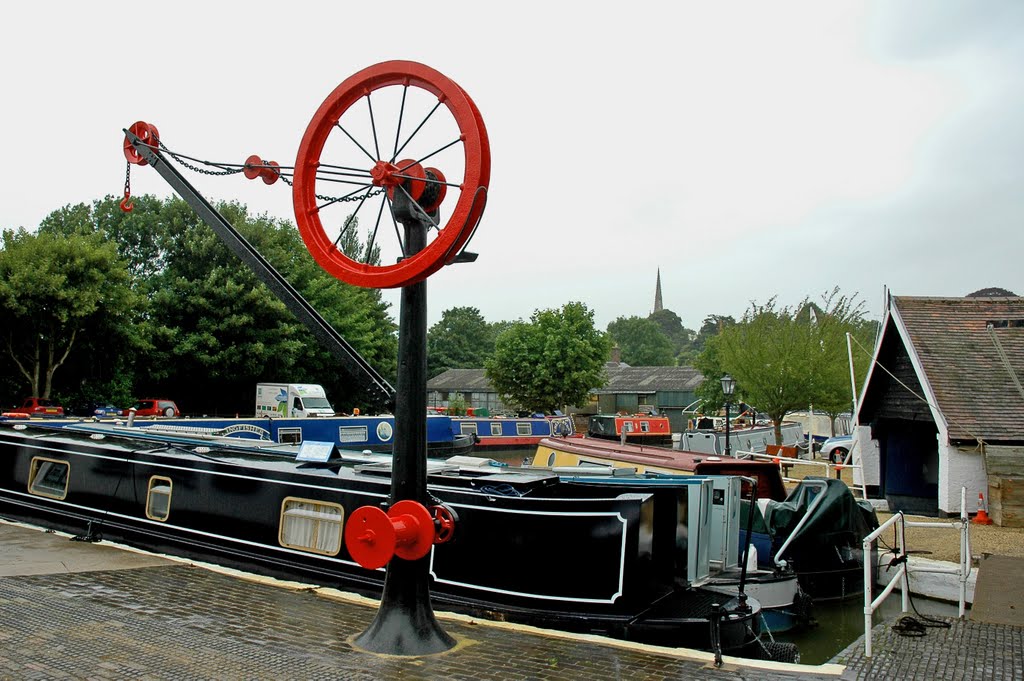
x=838 y=624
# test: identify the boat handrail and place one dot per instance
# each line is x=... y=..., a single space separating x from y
x=822 y=487
x=784 y=462
x=902 y=576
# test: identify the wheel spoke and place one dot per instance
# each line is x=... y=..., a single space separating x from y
x=414 y=132
x=368 y=154
x=373 y=236
x=367 y=188
x=415 y=206
x=373 y=126
x=436 y=152
x=401 y=119
x=344 y=228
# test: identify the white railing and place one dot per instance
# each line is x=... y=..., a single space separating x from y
x=902 y=576
x=786 y=462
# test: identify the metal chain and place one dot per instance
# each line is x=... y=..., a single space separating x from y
x=336 y=199
x=235 y=171
x=204 y=171
x=128 y=180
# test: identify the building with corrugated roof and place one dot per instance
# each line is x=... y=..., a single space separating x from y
x=668 y=390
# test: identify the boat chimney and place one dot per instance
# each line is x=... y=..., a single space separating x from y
x=131 y=417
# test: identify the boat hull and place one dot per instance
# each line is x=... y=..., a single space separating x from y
x=493 y=434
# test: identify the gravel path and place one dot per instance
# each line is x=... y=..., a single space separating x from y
x=944 y=544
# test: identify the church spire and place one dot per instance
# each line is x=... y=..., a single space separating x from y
x=657 y=294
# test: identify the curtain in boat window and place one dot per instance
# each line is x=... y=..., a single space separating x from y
x=312 y=526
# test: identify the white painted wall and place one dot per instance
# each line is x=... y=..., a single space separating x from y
x=960 y=467
x=870 y=457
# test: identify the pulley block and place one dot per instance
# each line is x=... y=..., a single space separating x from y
x=255 y=167
x=147 y=134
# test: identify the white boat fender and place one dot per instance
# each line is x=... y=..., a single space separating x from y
x=751 y=558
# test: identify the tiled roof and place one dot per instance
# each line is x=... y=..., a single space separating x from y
x=622 y=378
x=963 y=361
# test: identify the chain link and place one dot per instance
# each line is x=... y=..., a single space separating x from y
x=336 y=199
x=204 y=171
x=235 y=171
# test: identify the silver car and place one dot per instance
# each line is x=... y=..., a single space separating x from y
x=836 y=448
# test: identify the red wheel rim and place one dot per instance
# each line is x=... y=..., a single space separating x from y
x=328 y=134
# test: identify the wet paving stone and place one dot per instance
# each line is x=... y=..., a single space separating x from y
x=184 y=622
x=966 y=651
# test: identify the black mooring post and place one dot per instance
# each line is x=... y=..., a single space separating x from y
x=405 y=622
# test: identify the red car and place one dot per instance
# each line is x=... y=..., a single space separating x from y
x=154 y=407
x=39 y=406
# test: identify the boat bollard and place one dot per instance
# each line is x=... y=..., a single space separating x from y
x=407 y=530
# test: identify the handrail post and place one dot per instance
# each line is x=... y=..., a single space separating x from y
x=868 y=610
x=965 y=552
x=905 y=587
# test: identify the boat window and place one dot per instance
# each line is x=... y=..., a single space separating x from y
x=352 y=434
x=645 y=426
x=309 y=525
x=627 y=426
x=551 y=458
x=289 y=436
x=469 y=428
x=158 y=499
x=524 y=429
x=49 y=478
x=495 y=429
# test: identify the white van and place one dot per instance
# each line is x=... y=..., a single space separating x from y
x=292 y=400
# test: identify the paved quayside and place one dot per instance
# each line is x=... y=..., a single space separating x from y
x=74 y=610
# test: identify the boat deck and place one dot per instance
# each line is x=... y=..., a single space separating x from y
x=78 y=610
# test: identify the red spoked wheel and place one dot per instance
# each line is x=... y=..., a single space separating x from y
x=370 y=139
x=445 y=520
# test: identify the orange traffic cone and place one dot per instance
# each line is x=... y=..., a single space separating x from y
x=982 y=517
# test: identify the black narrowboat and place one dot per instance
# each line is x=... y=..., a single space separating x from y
x=526 y=547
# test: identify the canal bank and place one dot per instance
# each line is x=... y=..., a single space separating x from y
x=75 y=610
x=100 y=611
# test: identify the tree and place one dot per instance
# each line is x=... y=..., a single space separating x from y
x=642 y=342
x=53 y=290
x=462 y=339
x=213 y=318
x=680 y=336
x=827 y=326
x=196 y=324
x=552 y=361
x=713 y=325
x=767 y=354
x=782 y=360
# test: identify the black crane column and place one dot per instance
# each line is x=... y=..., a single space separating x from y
x=405 y=622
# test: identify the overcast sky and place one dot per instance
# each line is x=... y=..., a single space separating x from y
x=748 y=150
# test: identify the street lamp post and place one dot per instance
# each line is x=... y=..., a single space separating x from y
x=728 y=388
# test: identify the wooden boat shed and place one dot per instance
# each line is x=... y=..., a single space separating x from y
x=943 y=407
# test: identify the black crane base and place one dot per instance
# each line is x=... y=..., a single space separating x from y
x=405 y=622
